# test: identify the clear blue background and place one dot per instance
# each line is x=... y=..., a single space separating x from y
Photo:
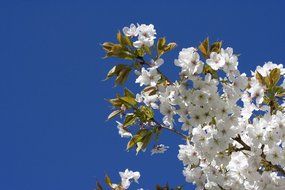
x=53 y=129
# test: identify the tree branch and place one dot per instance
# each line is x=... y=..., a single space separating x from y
x=171 y=129
x=268 y=163
x=143 y=62
x=240 y=141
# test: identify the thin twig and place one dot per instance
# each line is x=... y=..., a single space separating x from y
x=240 y=141
x=170 y=129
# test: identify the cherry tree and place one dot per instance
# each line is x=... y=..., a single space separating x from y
x=232 y=126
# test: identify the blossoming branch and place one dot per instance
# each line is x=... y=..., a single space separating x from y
x=232 y=126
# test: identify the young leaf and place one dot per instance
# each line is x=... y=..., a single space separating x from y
x=130 y=119
x=204 y=47
x=142 y=144
x=139 y=52
x=123 y=40
x=115 y=102
x=129 y=100
x=123 y=76
x=144 y=113
x=136 y=138
x=127 y=41
x=160 y=43
x=108 y=180
x=279 y=91
x=147 y=111
x=145 y=141
x=120 y=51
x=107 y=46
x=162 y=47
x=216 y=47
x=115 y=70
x=146 y=49
x=150 y=90
x=274 y=76
x=169 y=47
x=128 y=93
x=124 y=54
x=208 y=69
x=120 y=38
x=260 y=78
x=114 y=113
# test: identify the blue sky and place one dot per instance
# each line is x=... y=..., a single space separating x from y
x=54 y=134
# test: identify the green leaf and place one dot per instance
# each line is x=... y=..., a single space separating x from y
x=161 y=43
x=114 y=114
x=116 y=48
x=123 y=40
x=123 y=76
x=139 y=52
x=107 y=46
x=120 y=38
x=146 y=140
x=147 y=111
x=120 y=51
x=142 y=144
x=121 y=72
x=204 y=47
x=146 y=49
x=108 y=180
x=125 y=55
x=266 y=100
x=130 y=119
x=129 y=93
x=267 y=81
x=144 y=113
x=115 y=102
x=141 y=139
x=274 y=76
x=279 y=91
x=260 y=78
x=127 y=41
x=136 y=138
x=150 y=90
x=216 y=47
x=115 y=70
x=208 y=69
x=170 y=47
x=129 y=100
x=162 y=47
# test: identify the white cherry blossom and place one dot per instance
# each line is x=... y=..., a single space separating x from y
x=234 y=124
x=216 y=61
x=148 y=77
x=127 y=176
x=130 y=31
x=146 y=35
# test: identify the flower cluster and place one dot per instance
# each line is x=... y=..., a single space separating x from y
x=233 y=124
x=236 y=151
x=126 y=178
x=145 y=34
